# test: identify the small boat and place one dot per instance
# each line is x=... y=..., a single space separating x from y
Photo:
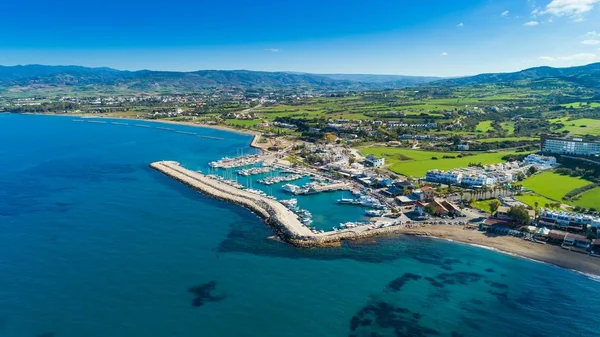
x=290 y=203
x=373 y=212
x=345 y=201
x=290 y=188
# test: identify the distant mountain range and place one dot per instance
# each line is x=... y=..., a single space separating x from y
x=41 y=77
x=588 y=76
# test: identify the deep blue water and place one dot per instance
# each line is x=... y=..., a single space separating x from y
x=94 y=243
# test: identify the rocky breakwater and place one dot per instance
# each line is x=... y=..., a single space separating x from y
x=285 y=222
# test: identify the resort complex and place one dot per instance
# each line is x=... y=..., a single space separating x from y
x=575 y=146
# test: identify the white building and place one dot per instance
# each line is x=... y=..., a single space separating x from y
x=566 y=218
x=570 y=146
x=479 y=180
x=374 y=161
x=540 y=160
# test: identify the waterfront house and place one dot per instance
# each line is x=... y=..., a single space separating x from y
x=441 y=207
x=425 y=193
x=502 y=213
x=404 y=200
x=568 y=220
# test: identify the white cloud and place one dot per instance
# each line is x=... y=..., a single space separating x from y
x=505 y=13
x=591 y=42
x=592 y=34
x=531 y=23
x=444 y=54
x=460 y=25
x=574 y=9
x=574 y=57
x=272 y=50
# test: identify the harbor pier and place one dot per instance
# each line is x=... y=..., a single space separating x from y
x=274 y=213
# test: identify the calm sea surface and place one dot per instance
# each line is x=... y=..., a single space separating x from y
x=94 y=243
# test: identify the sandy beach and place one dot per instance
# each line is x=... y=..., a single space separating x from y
x=109 y=116
x=515 y=246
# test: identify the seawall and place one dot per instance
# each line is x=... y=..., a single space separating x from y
x=275 y=214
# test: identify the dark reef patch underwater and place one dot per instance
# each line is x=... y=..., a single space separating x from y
x=204 y=293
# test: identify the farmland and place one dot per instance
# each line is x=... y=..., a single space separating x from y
x=581 y=105
x=416 y=163
x=582 y=126
x=484 y=126
x=511 y=139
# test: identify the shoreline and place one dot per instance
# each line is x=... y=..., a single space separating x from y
x=549 y=254
x=553 y=255
x=290 y=230
x=192 y=124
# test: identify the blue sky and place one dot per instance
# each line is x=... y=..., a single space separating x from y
x=435 y=37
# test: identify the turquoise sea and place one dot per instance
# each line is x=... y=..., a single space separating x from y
x=94 y=243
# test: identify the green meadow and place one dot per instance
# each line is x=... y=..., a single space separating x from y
x=484 y=126
x=531 y=199
x=416 y=163
x=552 y=185
x=590 y=199
x=582 y=126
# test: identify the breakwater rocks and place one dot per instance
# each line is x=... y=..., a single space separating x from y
x=284 y=222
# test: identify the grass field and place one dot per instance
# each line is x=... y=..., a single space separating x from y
x=590 y=199
x=552 y=185
x=580 y=105
x=243 y=122
x=582 y=126
x=530 y=200
x=512 y=139
x=483 y=205
x=509 y=127
x=416 y=163
x=484 y=126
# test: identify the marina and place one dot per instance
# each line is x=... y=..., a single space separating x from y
x=227 y=162
x=255 y=171
x=279 y=179
x=290 y=222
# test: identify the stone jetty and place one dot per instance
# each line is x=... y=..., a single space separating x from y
x=285 y=223
x=272 y=211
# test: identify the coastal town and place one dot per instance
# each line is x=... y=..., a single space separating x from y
x=440 y=200
x=420 y=162
x=300 y=169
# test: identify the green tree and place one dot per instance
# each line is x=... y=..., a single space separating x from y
x=532 y=170
x=494 y=204
x=519 y=214
x=429 y=209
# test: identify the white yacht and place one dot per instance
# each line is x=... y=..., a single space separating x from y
x=291 y=188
